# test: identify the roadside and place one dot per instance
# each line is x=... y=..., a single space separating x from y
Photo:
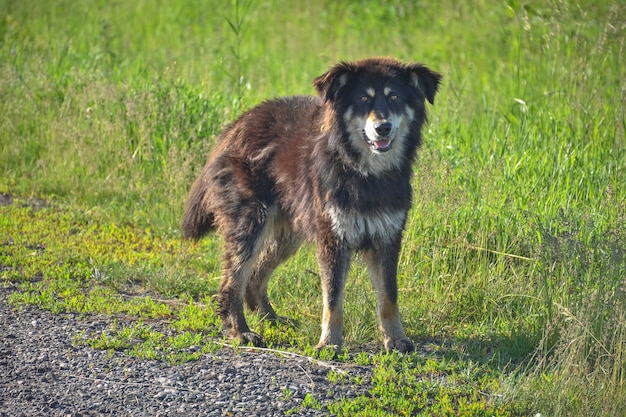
x=45 y=373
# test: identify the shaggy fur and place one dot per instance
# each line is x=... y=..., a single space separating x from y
x=333 y=169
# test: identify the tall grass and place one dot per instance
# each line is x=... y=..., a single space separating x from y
x=514 y=249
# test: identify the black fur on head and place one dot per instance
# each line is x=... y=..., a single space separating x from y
x=421 y=78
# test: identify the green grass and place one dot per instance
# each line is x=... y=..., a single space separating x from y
x=512 y=273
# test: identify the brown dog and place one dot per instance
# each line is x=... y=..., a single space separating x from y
x=334 y=169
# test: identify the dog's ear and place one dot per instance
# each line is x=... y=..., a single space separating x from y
x=329 y=83
x=424 y=79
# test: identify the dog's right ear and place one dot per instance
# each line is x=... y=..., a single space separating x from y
x=329 y=83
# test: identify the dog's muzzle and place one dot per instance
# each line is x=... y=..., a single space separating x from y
x=378 y=135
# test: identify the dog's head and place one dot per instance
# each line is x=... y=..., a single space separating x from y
x=380 y=104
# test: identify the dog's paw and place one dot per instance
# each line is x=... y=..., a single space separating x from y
x=252 y=338
x=403 y=345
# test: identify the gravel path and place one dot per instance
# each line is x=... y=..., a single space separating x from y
x=42 y=373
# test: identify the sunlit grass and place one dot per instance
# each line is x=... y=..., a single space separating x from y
x=512 y=270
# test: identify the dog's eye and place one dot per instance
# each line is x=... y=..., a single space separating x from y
x=365 y=98
x=393 y=97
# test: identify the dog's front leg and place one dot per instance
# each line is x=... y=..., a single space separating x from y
x=334 y=261
x=382 y=263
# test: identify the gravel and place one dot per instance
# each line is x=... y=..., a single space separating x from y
x=43 y=373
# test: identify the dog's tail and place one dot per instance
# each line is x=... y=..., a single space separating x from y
x=198 y=219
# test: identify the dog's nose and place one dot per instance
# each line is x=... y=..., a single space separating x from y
x=383 y=129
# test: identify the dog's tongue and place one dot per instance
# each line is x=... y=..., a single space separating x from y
x=382 y=144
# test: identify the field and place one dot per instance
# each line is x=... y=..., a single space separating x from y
x=513 y=270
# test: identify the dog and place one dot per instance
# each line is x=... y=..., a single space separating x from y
x=333 y=169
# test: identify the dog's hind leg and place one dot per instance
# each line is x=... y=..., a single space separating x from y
x=243 y=241
x=276 y=250
x=382 y=263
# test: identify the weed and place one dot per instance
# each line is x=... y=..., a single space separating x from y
x=198 y=317
x=285 y=394
x=362 y=358
x=310 y=401
x=336 y=377
x=236 y=24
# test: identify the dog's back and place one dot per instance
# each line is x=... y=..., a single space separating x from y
x=242 y=154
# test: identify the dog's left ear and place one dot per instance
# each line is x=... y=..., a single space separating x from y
x=329 y=83
x=424 y=79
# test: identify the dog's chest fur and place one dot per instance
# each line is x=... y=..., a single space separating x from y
x=357 y=228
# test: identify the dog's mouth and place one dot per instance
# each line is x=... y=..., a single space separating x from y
x=381 y=145
x=378 y=145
